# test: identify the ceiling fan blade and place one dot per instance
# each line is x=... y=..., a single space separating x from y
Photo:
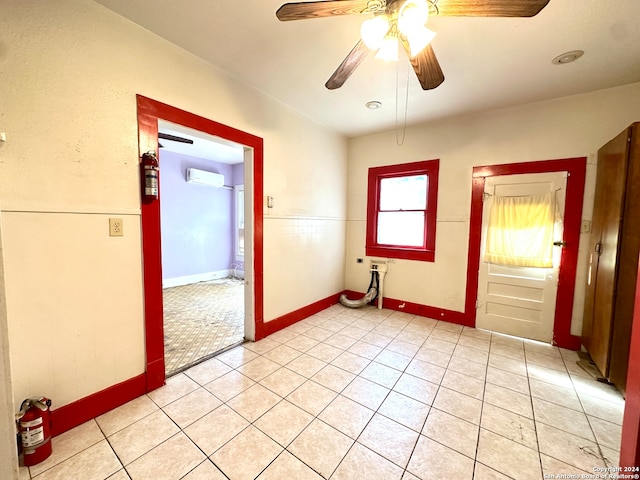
x=426 y=66
x=490 y=8
x=166 y=136
x=302 y=10
x=348 y=66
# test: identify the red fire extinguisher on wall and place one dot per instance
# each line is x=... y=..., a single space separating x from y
x=150 y=170
x=34 y=427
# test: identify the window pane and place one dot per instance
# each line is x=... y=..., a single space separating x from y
x=239 y=237
x=401 y=228
x=241 y=241
x=403 y=193
x=521 y=231
x=240 y=207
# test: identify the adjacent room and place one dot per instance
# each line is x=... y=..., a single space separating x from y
x=202 y=237
x=334 y=239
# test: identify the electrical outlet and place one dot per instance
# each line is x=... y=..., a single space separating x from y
x=116 y=228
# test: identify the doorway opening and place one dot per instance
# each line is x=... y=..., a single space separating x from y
x=150 y=114
x=202 y=237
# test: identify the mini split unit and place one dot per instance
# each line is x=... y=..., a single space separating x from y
x=201 y=177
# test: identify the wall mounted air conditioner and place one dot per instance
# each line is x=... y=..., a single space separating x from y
x=201 y=177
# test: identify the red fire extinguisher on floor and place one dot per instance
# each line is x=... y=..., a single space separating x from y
x=34 y=427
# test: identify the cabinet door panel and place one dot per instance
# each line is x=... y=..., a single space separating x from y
x=607 y=213
x=627 y=267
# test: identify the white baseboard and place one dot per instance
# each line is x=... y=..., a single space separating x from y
x=200 y=277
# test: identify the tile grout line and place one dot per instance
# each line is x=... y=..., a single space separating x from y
x=533 y=413
x=484 y=389
x=597 y=442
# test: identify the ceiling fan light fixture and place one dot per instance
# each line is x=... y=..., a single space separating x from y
x=373 y=31
x=388 y=51
x=412 y=16
x=419 y=39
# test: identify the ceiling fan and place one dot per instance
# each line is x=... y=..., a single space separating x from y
x=402 y=21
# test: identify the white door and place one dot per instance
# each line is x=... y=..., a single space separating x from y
x=520 y=301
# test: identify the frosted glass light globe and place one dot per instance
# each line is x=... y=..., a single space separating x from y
x=374 y=30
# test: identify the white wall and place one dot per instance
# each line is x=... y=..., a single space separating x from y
x=305 y=230
x=70 y=73
x=8 y=460
x=565 y=128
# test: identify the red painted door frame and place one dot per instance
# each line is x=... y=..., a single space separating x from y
x=149 y=111
x=630 y=446
x=569 y=258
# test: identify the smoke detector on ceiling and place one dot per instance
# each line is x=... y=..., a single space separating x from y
x=567 y=57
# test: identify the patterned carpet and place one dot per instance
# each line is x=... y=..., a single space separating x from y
x=201 y=319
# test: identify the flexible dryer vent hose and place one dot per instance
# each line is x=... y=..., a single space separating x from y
x=369 y=296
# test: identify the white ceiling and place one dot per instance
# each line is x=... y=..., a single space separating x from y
x=488 y=63
x=204 y=145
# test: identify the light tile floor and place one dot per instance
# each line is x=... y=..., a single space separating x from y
x=357 y=394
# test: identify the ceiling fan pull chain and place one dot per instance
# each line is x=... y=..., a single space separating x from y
x=399 y=141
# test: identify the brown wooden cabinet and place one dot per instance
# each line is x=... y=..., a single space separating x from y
x=614 y=246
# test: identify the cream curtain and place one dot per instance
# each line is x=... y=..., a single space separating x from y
x=520 y=231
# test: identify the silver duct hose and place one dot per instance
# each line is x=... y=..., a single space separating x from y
x=378 y=271
x=371 y=294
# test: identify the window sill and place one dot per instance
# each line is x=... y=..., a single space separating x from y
x=401 y=253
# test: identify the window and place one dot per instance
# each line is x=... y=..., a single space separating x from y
x=401 y=211
x=239 y=221
x=521 y=230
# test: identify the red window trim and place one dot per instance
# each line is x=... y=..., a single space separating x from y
x=373 y=249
